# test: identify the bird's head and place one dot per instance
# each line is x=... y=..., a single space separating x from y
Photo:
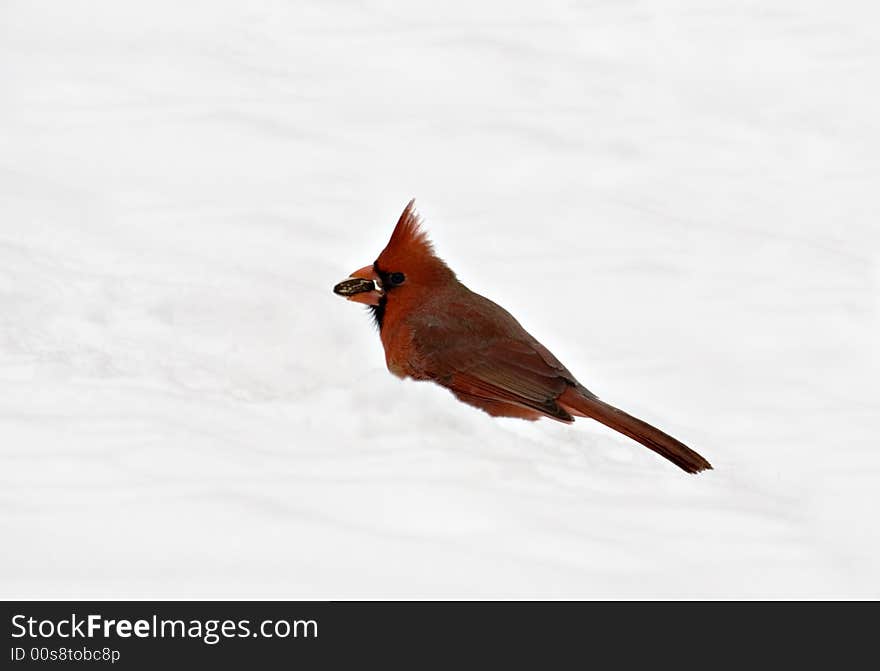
x=403 y=273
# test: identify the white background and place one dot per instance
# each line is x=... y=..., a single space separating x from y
x=680 y=199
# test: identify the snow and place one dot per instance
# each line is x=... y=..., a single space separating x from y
x=678 y=198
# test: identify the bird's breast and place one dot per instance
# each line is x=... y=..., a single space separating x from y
x=400 y=349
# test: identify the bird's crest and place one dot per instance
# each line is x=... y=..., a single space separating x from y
x=410 y=249
x=408 y=233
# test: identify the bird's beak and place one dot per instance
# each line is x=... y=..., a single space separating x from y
x=366 y=295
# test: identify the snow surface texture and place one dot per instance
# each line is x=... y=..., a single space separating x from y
x=680 y=199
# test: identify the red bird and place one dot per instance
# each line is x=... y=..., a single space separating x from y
x=434 y=328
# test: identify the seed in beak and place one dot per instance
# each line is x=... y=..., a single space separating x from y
x=352 y=286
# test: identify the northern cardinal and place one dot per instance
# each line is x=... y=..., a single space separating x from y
x=434 y=328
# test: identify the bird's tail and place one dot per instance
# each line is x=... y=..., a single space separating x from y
x=651 y=437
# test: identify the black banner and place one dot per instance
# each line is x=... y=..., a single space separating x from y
x=149 y=635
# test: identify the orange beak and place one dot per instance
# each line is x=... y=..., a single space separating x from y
x=367 y=297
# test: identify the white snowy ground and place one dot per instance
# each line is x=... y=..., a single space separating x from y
x=680 y=199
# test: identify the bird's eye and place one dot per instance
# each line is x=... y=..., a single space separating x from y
x=396 y=278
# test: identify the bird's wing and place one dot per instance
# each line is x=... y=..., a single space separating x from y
x=494 y=358
x=501 y=373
